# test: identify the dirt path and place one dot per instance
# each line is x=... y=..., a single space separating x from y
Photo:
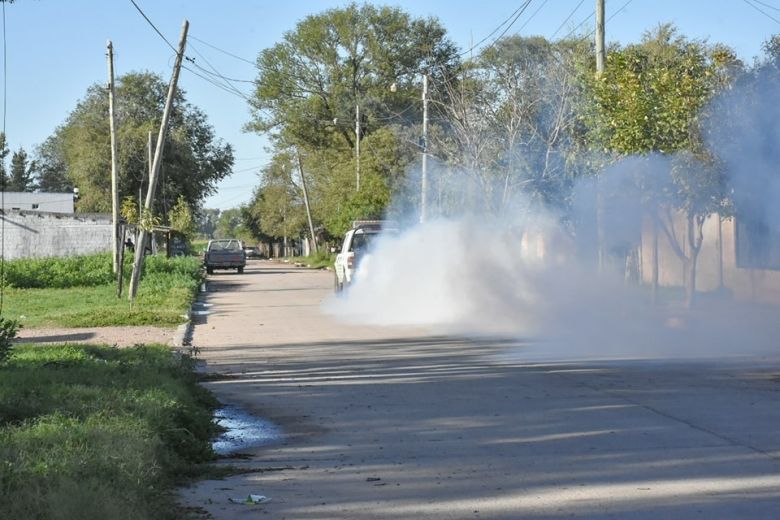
x=119 y=336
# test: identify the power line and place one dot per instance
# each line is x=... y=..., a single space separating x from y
x=532 y=16
x=567 y=19
x=226 y=82
x=762 y=11
x=2 y=188
x=153 y=26
x=770 y=6
x=513 y=17
x=222 y=51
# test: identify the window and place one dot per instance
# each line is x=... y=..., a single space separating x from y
x=35 y=205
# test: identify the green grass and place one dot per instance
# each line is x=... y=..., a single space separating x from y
x=96 y=432
x=316 y=260
x=168 y=288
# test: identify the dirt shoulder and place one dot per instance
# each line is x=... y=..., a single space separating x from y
x=119 y=336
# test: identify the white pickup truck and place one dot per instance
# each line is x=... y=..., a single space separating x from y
x=356 y=243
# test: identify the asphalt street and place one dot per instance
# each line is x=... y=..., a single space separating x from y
x=393 y=423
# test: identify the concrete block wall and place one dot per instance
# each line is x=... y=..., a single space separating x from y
x=29 y=234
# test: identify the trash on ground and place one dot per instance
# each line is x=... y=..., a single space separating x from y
x=251 y=499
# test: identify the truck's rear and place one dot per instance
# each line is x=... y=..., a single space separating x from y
x=224 y=254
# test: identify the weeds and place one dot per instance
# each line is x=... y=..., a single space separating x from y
x=97 y=432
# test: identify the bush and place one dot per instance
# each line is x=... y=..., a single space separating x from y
x=8 y=330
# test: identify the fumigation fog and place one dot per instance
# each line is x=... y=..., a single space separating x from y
x=532 y=275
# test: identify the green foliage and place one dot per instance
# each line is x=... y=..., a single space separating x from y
x=97 y=432
x=129 y=210
x=80 y=291
x=180 y=218
x=8 y=330
x=22 y=172
x=194 y=160
x=652 y=93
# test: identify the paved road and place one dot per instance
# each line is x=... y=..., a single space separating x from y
x=394 y=424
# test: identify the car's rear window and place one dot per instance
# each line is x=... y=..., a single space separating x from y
x=225 y=245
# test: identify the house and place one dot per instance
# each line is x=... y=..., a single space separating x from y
x=37 y=201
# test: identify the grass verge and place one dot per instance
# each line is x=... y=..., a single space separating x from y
x=317 y=260
x=95 y=432
x=82 y=298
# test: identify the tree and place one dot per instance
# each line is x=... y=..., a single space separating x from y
x=193 y=162
x=3 y=154
x=206 y=222
x=50 y=166
x=309 y=88
x=22 y=172
x=650 y=101
x=510 y=118
x=180 y=218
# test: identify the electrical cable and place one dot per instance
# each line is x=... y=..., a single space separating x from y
x=2 y=188
x=770 y=6
x=762 y=11
x=222 y=50
x=567 y=19
x=532 y=16
x=514 y=16
x=154 y=27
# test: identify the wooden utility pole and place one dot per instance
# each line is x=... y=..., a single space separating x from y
x=149 y=204
x=357 y=145
x=601 y=61
x=114 y=180
x=424 y=176
x=306 y=200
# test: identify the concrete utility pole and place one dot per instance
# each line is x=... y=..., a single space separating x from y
x=144 y=234
x=601 y=53
x=114 y=181
x=357 y=145
x=306 y=200
x=424 y=179
x=601 y=62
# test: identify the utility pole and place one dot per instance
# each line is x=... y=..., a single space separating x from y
x=424 y=179
x=144 y=234
x=114 y=182
x=601 y=62
x=357 y=145
x=306 y=200
x=601 y=53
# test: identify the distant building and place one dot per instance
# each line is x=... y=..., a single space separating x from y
x=37 y=201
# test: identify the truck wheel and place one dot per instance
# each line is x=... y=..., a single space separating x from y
x=210 y=270
x=337 y=287
x=240 y=270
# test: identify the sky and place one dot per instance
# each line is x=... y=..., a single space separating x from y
x=55 y=49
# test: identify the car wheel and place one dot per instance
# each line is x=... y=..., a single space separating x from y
x=337 y=287
x=240 y=270
x=210 y=270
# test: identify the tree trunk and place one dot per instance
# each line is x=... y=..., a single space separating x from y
x=690 y=282
x=655 y=267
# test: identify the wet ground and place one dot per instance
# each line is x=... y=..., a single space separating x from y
x=243 y=431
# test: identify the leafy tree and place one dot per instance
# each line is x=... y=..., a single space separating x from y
x=129 y=210
x=309 y=87
x=193 y=162
x=3 y=154
x=50 y=167
x=650 y=100
x=206 y=222
x=22 y=172
x=180 y=218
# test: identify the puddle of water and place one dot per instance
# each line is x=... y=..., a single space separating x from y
x=244 y=430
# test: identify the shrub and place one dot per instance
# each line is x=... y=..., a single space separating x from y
x=8 y=330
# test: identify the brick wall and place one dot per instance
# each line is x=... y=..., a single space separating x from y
x=33 y=234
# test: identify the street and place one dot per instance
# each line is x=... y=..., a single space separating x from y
x=389 y=423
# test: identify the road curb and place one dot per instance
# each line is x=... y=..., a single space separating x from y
x=183 y=335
